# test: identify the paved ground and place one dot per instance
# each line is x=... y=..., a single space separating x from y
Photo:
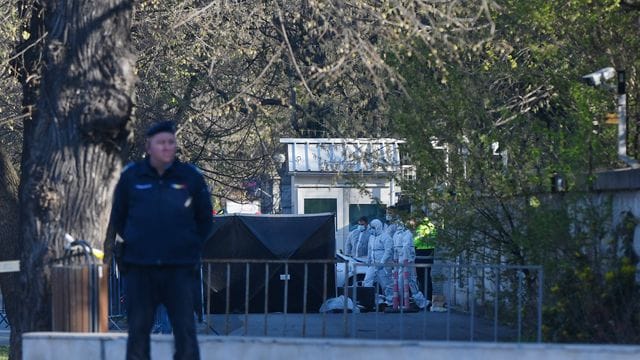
x=4 y=334
x=372 y=325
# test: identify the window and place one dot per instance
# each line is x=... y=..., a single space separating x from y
x=314 y=206
x=408 y=172
x=371 y=211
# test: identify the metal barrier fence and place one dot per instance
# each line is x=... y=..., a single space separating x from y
x=117 y=309
x=4 y=321
x=117 y=305
x=290 y=298
x=483 y=302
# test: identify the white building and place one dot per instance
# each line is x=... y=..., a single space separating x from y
x=349 y=177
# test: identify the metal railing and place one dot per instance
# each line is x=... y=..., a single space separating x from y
x=488 y=302
x=118 y=304
x=288 y=298
x=4 y=321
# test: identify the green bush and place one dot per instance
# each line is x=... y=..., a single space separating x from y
x=590 y=289
x=594 y=303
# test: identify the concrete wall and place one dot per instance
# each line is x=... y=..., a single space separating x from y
x=623 y=187
x=71 y=346
x=628 y=201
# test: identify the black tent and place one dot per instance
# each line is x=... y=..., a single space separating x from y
x=270 y=237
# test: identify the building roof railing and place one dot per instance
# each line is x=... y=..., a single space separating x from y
x=343 y=155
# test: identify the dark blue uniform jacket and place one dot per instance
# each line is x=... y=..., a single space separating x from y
x=164 y=220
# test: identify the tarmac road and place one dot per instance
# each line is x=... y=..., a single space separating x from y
x=441 y=326
x=371 y=325
x=4 y=334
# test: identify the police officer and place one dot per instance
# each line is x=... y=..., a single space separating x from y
x=424 y=242
x=162 y=210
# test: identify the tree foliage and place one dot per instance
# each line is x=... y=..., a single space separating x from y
x=10 y=114
x=488 y=137
x=239 y=75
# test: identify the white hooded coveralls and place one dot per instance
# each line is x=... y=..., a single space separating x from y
x=380 y=252
x=405 y=258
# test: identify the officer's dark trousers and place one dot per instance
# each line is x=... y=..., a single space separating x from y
x=425 y=257
x=146 y=288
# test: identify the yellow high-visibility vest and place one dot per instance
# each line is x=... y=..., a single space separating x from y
x=425 y=235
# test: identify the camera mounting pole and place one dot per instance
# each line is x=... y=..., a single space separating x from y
x=622 y=122
x=599 y=78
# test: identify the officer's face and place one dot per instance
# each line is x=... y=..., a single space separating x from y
x=161 y=148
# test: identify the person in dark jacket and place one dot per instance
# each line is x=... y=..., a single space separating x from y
x=162 y=210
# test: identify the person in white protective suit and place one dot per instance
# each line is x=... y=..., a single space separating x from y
x=404 y=256
x=358 y=241
x=380 y=252
x=391 y=221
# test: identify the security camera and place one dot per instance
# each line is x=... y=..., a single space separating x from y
x=279 y=158
x=600 y=76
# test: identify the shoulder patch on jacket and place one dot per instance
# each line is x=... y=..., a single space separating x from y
x=127 y=167
x=197 y=169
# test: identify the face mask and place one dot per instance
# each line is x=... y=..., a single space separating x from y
x=360 y=227
x=389 y=217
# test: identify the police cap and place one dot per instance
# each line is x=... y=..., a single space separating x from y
x=162 y=126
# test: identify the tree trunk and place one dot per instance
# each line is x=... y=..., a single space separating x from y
x=77 y=131
x=9 y=239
